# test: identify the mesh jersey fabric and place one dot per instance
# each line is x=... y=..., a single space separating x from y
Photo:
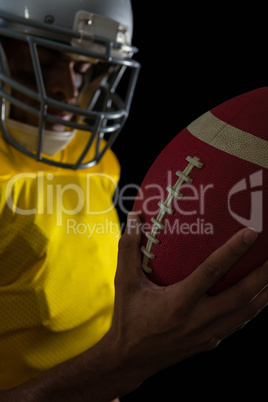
x=58 y=248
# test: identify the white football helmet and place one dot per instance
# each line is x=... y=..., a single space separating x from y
x=98 y=32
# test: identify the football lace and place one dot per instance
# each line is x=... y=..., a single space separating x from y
x=165 y=208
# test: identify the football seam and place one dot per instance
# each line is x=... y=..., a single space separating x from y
x=165 y=208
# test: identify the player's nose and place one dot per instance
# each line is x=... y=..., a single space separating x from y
x=63 y=87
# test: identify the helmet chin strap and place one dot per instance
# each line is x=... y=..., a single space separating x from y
x=28 y=137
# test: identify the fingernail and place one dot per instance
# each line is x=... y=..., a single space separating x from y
x=131 y=222
x=250 y=235
x=131 y=218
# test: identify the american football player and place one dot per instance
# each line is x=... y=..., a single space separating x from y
x=67 y=79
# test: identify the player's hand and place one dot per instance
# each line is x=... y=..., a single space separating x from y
x=154 y=327
x=159 y=326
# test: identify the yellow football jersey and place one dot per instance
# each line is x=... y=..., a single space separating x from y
x=58 y=249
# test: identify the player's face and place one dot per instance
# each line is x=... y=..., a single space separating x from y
x=63 y=77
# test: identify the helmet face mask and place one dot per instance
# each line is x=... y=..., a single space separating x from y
x=103 y=76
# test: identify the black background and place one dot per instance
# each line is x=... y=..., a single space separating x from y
x=194 y=58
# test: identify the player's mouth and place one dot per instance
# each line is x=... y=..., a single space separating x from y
x=59 y=114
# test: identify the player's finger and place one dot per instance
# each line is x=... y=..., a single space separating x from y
x=218 y=263
x=253 y=286
x=230 y=323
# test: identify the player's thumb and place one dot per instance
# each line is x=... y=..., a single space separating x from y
x=129 y=254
